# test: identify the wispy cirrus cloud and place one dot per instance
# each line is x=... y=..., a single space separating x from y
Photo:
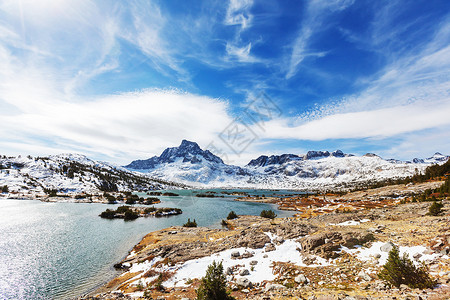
x=238 y=13
x=241 y=54
x=313 y=21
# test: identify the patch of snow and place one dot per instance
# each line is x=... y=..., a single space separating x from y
x=350 y=223
x=367 y=254
x=196 y=268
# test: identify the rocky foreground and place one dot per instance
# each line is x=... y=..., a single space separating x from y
x=329 y=256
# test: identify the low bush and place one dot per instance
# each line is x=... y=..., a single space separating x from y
x=232 y=215
x=190 y=224
x=170 y=194
x=149 y=209
x=435 y=208
x=270 y=214
x=108 y=214
x=130 y=215
x=122 y=209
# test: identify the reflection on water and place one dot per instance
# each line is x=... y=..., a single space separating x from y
x=60 y=250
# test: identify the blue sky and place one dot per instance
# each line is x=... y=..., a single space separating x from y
x=121 y=80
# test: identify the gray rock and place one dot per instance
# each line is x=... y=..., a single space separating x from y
x=375 y=230
x=308 y=259
x=229 y=271
x=247 y=254
x=253 y=262
x=404 y=287
x=364 y=276
x=278 y=240
x=244 y=272
x=274 y=287
x=244 y=282
x=327 y=244
x=235 y=254
x=253 y=239
x=270 y=247
x=386 y=247
x=301 y=279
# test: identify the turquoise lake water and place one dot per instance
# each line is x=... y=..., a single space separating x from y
x=62 y=250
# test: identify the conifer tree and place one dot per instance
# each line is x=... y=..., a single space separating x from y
x=213 y=286
x=401 y=270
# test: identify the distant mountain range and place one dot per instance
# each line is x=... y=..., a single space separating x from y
x=191 y=165
x=71 y=173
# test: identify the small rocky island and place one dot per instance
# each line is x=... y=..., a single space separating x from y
x=132 y=213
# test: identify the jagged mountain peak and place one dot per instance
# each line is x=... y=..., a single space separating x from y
x=371 y=155
x=265 y=160
x=189 y=144
x=187 y=152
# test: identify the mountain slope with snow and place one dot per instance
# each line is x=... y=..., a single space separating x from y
x=189 y=164
x=71 y=173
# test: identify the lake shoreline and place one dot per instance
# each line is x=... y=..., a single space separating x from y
x=80 y=240
x=252 y=246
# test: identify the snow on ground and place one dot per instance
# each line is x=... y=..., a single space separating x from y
x=196 y=268
x=350 y=223
x=286 y=252
x=415 y=253
x=263 y=270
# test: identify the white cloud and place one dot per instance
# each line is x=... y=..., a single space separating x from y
x=242 y=54
x=126 y=126
x=379 y=123
x=238 y=13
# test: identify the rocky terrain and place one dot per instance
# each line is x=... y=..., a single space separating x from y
x=311 y=205
x=315 y=170
x=70 y=175
x=329 y=256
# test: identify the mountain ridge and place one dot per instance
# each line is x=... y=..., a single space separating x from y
x=191 y=165
x=72 y=173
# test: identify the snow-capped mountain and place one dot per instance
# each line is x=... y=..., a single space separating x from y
x=71 y=173
x=189 y=164
x=189 y=151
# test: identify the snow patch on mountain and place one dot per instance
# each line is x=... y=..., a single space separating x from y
x=189 y=164
x=70 y=173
